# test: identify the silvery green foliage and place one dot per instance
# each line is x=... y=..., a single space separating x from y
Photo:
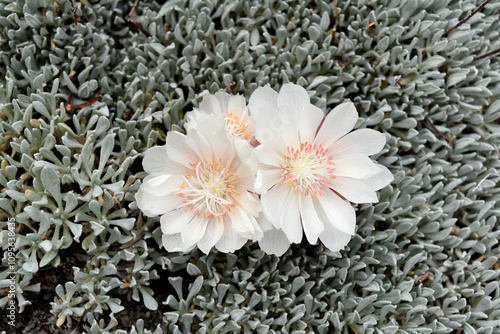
x=69 y=177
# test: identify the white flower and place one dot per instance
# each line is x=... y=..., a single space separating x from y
x=309 y=167
x=200 y=186
x=233 y=107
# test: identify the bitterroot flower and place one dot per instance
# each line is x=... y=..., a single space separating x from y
x=311 y=167
x=202 y=189
x=234 y=109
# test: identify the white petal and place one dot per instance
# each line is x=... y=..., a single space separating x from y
x=178 y=149
x=153 y=205
x=198 y=143
x=274 y=242
x=236 y=104
x=309 y=120
x=365 y=141
x=335 y=240
x=263 y=101
x=278 y=128
x=312 y=225
x=271 y=121
x=354 y=190
x=224 y=99
x=245 y=153
x=192 y=119
x=270 y=155
x=338 y=212
x=266 y=178
x=264 y=223
x=380 y=180
x=241 y=221
x=337 y=123
x=245 y=224
x=213 y=233
x=194 y=231
x=230 y=240
x=250 y=203
x=357 y=166
x=290 y=219
x=162 y=184
x=173 y=243
x=294 y=96
x=210 y=104
x=245 y=178
x=286 y=125
x=176 y=221
x=273 y=202
x=156 y=161
x=215 y=133
x=156 y=179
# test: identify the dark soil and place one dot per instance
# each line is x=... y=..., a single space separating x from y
x=37 y=318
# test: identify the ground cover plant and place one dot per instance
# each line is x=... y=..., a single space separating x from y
x=81 y=103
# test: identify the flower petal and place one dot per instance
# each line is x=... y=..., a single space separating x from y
x=365 y=141
x=176 y=221
x=194 y=231
x=339 y=213
x=273 y=202
x=245 y=153
x=274 y=242
x=270 y=155
x=286 y=125
x=198 y=143
x=264 y=222
x=263 y=101
x=380 y=180
x=213 y=233
x=230 y=241
x=309 y=120
x=334 y=239
x=278 y=127
x=224 y=99
x=173 y=243
x=357 y=166
x=241 y=221
x=192 y=119
x=162 y=184
x=236 y=104
x=354 y=190
x=294 y=96
x=337 y=123
x=210 y=104
x=312 y=225
x=156 y=161
x=271 y=121
x=290 y=218
x=153 y=205
x=178 y=150
x=214 y=131
x=245 y=178
x=250 y=203
x=266 y=178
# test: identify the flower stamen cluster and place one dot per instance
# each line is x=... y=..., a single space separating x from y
x=208 y=190
x=234 y=128
x=307 y=169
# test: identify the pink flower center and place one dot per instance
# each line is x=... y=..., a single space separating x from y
x=208 y=190
x=307 y=169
